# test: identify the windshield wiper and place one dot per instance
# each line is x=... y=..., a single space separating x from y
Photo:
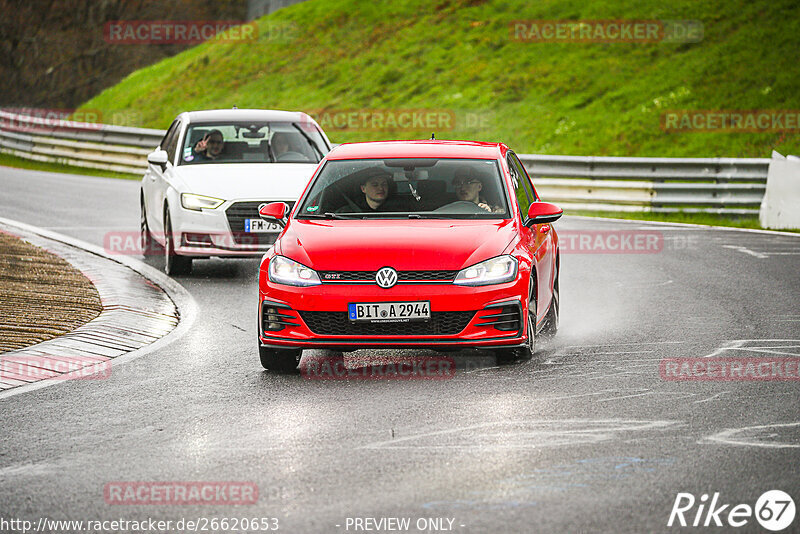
x=326 y=215
x=428 y=216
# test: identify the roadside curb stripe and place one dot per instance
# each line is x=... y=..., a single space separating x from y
x=143 y=310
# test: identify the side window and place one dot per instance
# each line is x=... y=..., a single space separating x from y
x=524 y=197
x=172 y=141
x=167 y=136
x=525 y=177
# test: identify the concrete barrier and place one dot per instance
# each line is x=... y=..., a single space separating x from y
x=780 y=208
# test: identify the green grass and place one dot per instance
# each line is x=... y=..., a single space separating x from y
x=458 y=56
x=8 y=160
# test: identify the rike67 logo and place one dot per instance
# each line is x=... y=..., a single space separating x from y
x=774 y=510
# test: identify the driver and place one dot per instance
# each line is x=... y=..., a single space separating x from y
x=376 y=187
x=209 y=147
x=468 y=186
x=376 y=191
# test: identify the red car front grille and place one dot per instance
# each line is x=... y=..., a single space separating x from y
x=338 y=324
x=339 y=277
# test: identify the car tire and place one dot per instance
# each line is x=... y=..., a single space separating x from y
x=524 y=352
x=551 y=319
x=149 y=245
x=173 y=264
x=282 y=360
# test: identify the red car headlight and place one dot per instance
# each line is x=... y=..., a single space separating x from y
x=492 y=271
x=282 y=270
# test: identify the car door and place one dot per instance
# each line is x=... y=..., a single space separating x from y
x=539 y=236
x=159 y=181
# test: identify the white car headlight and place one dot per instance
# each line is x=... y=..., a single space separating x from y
x=282 y=270
x=494 y=271
x=198 y=202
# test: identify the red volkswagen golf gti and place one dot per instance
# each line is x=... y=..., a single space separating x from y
x=426 y=244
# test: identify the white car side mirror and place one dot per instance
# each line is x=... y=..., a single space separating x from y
x=158 y=157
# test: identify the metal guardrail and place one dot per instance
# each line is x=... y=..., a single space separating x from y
x=80 y=144
x=732 y=186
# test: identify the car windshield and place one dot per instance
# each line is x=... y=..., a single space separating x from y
x=259 y=142
x=444 y=188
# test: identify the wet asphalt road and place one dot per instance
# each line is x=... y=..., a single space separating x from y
x=589 y=438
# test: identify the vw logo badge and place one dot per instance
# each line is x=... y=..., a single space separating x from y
x=386 y=277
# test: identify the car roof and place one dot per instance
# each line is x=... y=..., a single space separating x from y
x=227 y=115
x=418 y=149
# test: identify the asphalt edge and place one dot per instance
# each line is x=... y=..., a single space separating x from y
x=183 y=300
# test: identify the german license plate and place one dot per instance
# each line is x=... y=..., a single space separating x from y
x=260 y=225
x=389 y=312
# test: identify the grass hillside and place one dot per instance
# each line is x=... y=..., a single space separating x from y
x=458 y=56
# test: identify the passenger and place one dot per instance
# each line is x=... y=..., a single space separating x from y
x=279 y=145
x=209 y=147
x=468 y=186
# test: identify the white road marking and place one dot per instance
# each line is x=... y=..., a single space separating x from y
x=642 y=285
x=741 y=345
x=644 y=392
x=711 y=398
x=479 y=369
x=578 y=395
x=533 y=434
x=674 y=394
x=747 y=251
x=621 y=352
x=635 y=343
x=729 y=437
x=23 y=470
x=732 y=345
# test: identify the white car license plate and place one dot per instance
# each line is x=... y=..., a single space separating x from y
x=260 y=225
x=389 y=312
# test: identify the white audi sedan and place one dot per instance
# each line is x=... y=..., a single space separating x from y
x=213 y=169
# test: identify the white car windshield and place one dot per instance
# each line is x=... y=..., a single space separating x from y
x=407 y=188
x=259 y=142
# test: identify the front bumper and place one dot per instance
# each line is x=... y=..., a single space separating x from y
x=462 y=317
x=221 y=231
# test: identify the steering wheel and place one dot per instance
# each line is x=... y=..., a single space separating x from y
x=292 y=156
x=461 y=206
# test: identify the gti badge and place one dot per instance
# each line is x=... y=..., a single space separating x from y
x=386 y=277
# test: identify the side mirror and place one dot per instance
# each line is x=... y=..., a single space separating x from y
x=158 y=157
x=543 y=213
x=276 y=211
